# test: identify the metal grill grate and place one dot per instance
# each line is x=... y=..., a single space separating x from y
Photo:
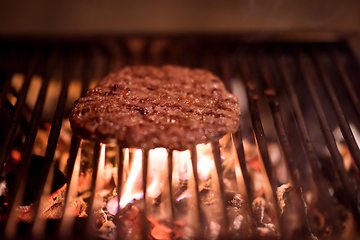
x=297 y=95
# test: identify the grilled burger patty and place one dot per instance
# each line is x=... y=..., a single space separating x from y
x=148 y=107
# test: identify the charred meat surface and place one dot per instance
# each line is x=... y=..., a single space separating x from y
x=149 y=107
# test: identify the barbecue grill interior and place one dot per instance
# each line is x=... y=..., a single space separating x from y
x=296 y=171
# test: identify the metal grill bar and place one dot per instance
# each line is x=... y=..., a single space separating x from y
x=11 y=225
x=75 y=141
x=74 y=148
x=226 y=72
x=217 y=160
x=291 y=163
x=308 y=74
x=345 y=79
x=67 y=221
x=260 y=137
x=4 y=90
x=170 y=180
x=237 y=139
x=310 y=152
x=12 y=58
x=200 y=232
x=208 y=55
x=56 y=126
x=120 y=159
x=95 y=163
x=344 y=125
x=33 y=126
x=87 y=73
x=11 y=128
x=247 y=180
x=36 y=114
x=145 y=163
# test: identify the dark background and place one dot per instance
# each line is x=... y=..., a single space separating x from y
x=109 y=17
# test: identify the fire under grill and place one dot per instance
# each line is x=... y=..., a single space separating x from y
x=291 y=171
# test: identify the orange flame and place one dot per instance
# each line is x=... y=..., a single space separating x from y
x=157 y=171
x=132 y=186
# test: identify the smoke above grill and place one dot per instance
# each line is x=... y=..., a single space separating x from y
x=291 y=171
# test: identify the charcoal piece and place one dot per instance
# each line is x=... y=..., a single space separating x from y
x=289 y=213
x=214 y=230
x=239 y=219
x=52 y=207
x=130 y=222
x=209 y=197
x=284 y=197
x=211 y=208
x=180 y=189
x=100 y=218
x=258 y=206
x=107 y=230
x=35 y=172
x=235 y=200
x=264 y=217
x=181 y=206
x=160 y=229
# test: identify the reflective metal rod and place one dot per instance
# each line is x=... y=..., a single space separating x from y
x=95 y=163
x=15 y=117
x=120 y=158
x=260 y=137
x=145 y=161
x=37 y=112
x=308 y=146
x=20 y=178
x=343 y=123
x=246 y=176
x=217 y=160
x=225 y=71
x=200 y=233
x=56 y=126
x=87 y=72
x=68 y=219
x=309 y=76
x=291 y=163
x=237 y=139
x=345 y=79
x=170 y=171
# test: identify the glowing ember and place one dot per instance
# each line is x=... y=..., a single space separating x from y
x=205 y=161
x=181 y=159
x=157 y=171
x=158 y=207
x=112 y=206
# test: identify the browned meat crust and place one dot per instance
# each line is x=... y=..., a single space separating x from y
x=148 y=107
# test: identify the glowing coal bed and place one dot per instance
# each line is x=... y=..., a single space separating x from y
x=169 y=213
x=194 y=207
x=198 y=205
